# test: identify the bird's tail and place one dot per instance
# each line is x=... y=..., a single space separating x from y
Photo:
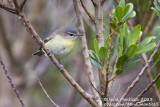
x=39 y=53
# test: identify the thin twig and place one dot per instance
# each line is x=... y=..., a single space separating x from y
x=94 y=2
x=95 y=88
x=117 y=92
x=16 y=4
x=45 y=92
x=22 y=4
x=85 y=51
x=9 y=9
x=154 y=64
x=148 y=74
x=87 y=11
x=108 y=61
x=140 y=74
x=11 y=83
x=149 y=24
x=145 y=90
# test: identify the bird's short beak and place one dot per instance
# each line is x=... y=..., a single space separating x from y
x=79 y=34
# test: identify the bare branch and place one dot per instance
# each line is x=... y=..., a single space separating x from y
x=16 y=3
x=146 y=89
x=148 y=74
x=54 y=104
x=11 y=83
x=9 y=9
x=140 y=74
x=85 y=51
x=94 y=2
x=87 y=11
x=154 y=64
x=117 y=92
x=22 y=4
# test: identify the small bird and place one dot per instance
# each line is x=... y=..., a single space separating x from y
x=61 y=42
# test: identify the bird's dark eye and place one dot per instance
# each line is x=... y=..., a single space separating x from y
x=71 y=34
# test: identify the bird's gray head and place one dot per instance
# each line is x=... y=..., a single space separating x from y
x=68 y=32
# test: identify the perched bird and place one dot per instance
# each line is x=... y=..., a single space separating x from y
x=61 y=42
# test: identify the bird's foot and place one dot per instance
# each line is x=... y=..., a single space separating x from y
x=50 y=51
x=62 y=67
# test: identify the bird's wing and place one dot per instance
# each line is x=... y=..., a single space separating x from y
x=50 y=37
x=47 y=39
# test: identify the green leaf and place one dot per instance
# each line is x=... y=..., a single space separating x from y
x=120 y=47
x=157 y=12
x=133 y=14
x=126 y=35
x=127 y=12
x=134 y=35
x=103 y=54
x=119 y=12
x=113 y=25
x=133 y=62
x=100 y=45
x=95 y=59
x=126 y=9
x=106 y=42
x=145 y=42
x=121 y=61
x=119 y=71
x=146 y=48
x=122 y=3
x=131 y=51
x=96 y=48
x=157 y=5
x=95 y=63
x=94 y=56
x=111 y=69
x=120 y=23
x=112 y=50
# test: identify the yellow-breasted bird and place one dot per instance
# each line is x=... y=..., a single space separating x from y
x=61 y=42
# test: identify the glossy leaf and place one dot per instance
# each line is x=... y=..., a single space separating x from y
x=95 y=63
x=131 y=51
x=96 y=47
x=119 y=12
x=133 y=62
x=121 y=61
x=95 y=59
x=157 y=5
x=111 y=69
x=120 y=47
x=145 y=42
x=127 y=11
x=113 y=25
x=146 y=48
x=119 y=71
x=134 y=35
x=157 y=12
x=122 y=3
x=106 y=42
x=126 y=36
x=103 y=54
